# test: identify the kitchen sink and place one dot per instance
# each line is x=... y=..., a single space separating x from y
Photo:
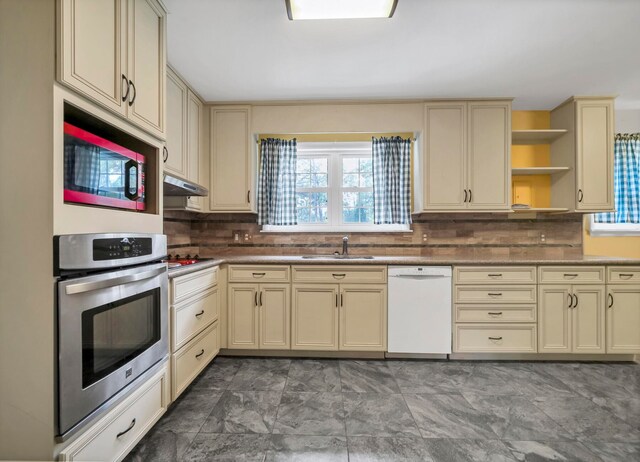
x=340 y=257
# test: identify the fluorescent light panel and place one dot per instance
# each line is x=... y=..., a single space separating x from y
x=340 y=9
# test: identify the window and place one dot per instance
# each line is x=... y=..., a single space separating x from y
x=612 y=229
x=334 y=189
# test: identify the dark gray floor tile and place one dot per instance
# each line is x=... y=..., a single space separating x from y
x=461 y=450
x=367 y=377
x=310 y=413
x=158 y=446
x=372 y=414
x=627 y=409
x=430 y=376
x=587 y=421
x=528 y=379
x=189 y=412
x=586 y=379
x=487 y=380
x=261 y=375
x=517 y=418
x=626 y=375
x=535 y=451
x=295 y=448
x=314 y=375
x=615 y=452
x=449 y=416
x=393 y=449
x=243 y=412
x=224 y=447
x=218 y=375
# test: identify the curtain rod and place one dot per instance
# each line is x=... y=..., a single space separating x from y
x=628 y=136
x=413 y=140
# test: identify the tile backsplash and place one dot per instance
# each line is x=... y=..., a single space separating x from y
x=464 y=235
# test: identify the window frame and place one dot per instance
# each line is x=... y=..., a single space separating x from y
x=612 y=229
x=335 y=152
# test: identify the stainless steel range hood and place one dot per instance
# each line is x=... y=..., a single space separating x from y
x=176 y=186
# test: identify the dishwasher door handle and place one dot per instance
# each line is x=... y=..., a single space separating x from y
x=419 y=276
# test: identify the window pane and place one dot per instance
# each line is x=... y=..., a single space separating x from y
x=350 y=180
x=303 y=181
x=350 y=215
x=366 y=180
x=319 y=199
x=350 y=165
x=365 y=199
x=319 y=215
x=319 y=165
x=302 y=200
x=319 y=180
x=303 y=166
x=366 y=165
x=304 y=215
x=349 y=199
x=366 y=215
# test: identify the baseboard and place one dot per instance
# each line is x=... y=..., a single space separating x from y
x=304 y=354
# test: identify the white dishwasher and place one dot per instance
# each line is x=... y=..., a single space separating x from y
x=419 y=310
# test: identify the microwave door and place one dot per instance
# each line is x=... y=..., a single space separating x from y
x=141 y=200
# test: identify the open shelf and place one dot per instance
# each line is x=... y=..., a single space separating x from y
x=538 y=170
x=541 y=210
x=536 y=136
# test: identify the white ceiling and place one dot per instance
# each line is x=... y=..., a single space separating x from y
x=538 y=51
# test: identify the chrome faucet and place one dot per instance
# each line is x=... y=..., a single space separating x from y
x=345 y=245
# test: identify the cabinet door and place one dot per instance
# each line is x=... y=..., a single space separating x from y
x=275 y=316
x=92 y=50
x=594 y=155
x=363 y=317
x=445 y=156
x=194 y=120
x=147 y=65
x=176 y=126
x=489 y=155
x=588 y=317
x=231 y=166
x=243 y=316
x=623 y=319
x=314 y=319
x=554 y=321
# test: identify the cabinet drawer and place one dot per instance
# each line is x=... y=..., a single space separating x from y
x=489 y=313
x=139 y=412
x=495 y=294
x=188 y=285
x=340 y=274
x=245 y=273
x=487 y=338
x=623 y=274
x=187 y=363
x=192 y=316
x=495 y=275
x=570 y=274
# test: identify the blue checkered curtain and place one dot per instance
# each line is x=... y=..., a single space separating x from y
x=626 y=181
x=277 y=182
x=391 y=180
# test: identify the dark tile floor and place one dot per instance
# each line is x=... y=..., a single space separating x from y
x=254 y=409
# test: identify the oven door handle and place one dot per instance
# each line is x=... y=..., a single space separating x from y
x=112 y=282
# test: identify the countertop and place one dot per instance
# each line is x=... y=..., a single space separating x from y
x=398 y=260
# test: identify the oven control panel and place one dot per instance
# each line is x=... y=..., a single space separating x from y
x=122 y=247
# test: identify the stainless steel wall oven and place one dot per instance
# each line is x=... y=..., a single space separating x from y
x=111 y=320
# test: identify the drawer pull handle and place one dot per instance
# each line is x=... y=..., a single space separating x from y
x=495 y=294
x=260 y=301
x=495 y=338
x=338 y=275
x=570 y=301
x=626 y=275
x=258 y=275
x=200 y=354
x=495 y=313
x=575 y=303
x=133 y=424
x=610 y=300
x=495 y=275
x=570 y=275
x=199 y=314
x=255 y=297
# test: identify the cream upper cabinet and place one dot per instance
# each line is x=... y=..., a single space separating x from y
x=467 y=156
x=363 y=317
x=114 y=52
x=594 y=154
x=92 y=50
x=242 y=319
x=554 y=319
x=445 y=163
x=314 y=318
x=275 y=315
x=147 y=64
x=489 y=155
x=194 y=145
x=231 y=175
x=588 y=318
x=176 y=153
x=623 y=318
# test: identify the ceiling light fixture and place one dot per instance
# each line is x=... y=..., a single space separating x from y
x=340 y=9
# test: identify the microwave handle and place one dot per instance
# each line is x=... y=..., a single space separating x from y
x=112 y=282
x=127 y=180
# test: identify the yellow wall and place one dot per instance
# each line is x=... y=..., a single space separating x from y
x=610 y=246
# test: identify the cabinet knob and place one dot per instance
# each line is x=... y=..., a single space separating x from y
x=580 y=195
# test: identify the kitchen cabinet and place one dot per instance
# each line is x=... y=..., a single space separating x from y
x=232 y=164
x=623 y=318
x=194 y=146
x=587 y=149
x=467 y=156
x=363 y=317
x=571 y=318
x=314 y=317
x=259 y=316
x=175 y=156
x=114 y=52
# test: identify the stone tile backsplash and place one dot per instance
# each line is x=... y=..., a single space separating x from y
x=467 y=235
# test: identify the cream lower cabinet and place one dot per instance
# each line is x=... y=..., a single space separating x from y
x=348 y=317
x=571 y=318
x=259 y=316
x=623 y=318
